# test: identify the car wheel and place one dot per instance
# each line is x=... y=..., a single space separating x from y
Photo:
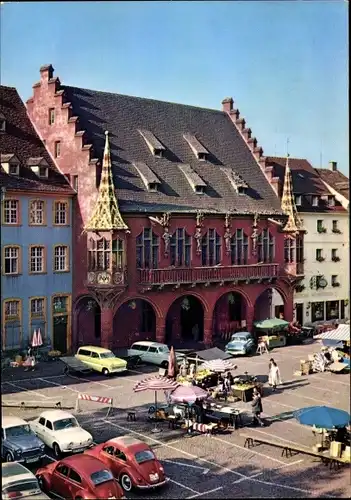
x=41 y=483
x=56 y=450
x=126 y=482
x=105 y=372
x=9 y=457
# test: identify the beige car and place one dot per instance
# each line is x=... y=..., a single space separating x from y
x=19 y=483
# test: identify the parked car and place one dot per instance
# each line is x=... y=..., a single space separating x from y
x=18 y=483
x=101 y=360
x=153 y=352
x=18 y=442
x=241 y=343
x=131 y=461
x=60 y=431
x=78 y=477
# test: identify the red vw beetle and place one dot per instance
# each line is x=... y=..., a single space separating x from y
x=131 y=461
x=79 y=477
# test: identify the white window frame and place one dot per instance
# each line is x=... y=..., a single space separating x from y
x=60 y=213
x=61 y=258
x=37 y=311
x=12 y=309
x=11 y=211
x=36 y=259
x=35 y=211
x=12 y=254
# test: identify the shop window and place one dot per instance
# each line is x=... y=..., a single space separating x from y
x=332 y=309
x=317 y=311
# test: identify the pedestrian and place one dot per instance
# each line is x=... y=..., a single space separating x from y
x=274 y=374
x=257 y=408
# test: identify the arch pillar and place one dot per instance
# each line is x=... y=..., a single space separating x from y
x=106 y=327
x=208 y=329
x=160 y=330
x=250 y=313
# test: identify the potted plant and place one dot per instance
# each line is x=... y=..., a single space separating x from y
x=335 y=258
x=54 y=354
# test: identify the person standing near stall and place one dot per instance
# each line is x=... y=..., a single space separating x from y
x=257 y=408
x=274 y=378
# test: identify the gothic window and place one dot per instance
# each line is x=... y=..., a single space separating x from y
x=266 y=246
x=99 y=254
x=118 y=254
x=289 y=250
x=239 y=245
x=211 y=248
x=147 y=245
x=299 y=249
x=180 y=248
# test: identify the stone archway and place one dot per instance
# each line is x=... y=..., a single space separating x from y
x=134 y=320
x=271 y=303
x=229 y=314
x=185 y=320
x=88 y=321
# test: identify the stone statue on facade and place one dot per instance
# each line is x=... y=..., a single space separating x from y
x=254 y=235
x=227 y=233
x=198 y=231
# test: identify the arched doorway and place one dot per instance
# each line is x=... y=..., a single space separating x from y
x=134 y=320
x=229 y=315
x=270 y=304
x=88 y=322
x=185 y=320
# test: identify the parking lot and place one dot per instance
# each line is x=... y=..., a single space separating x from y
x=200 y=466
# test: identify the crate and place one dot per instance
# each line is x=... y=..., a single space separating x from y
x=335 y=449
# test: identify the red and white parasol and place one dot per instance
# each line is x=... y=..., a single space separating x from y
x=40 y=338
x=35 y=339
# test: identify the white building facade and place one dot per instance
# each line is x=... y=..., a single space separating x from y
x=324 y=292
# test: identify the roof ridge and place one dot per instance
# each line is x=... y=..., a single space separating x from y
x=213 y=110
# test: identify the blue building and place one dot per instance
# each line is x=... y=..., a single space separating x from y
x=36 y=235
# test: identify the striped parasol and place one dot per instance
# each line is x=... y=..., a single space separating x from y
x=172 y=364
x=35 y=339
x=188 y=394
x=39 y=338
x=219 y=365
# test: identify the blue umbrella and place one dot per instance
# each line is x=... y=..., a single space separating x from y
x=323 y=417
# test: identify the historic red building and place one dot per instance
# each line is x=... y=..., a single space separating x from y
x=179 y=232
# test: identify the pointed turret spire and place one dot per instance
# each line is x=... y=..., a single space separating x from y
x=288 y=202
x=106 y=215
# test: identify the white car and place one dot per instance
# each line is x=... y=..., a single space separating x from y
x=60 y=431
x=18 y=483
x=153 y=352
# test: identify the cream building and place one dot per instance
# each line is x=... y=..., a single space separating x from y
x=322 y=293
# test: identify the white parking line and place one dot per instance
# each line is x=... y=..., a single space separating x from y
x=144 y=436
x=183 y=486
x=286 y=487
x=280 y=438
x=206 y=492
x=95 y=382
x=30 y=390
x=59 y=385
x=251 y=451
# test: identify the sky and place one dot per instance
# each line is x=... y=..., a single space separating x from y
x=285 y=63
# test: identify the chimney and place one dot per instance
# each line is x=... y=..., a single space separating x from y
x=333 y=165
x=227 y=104
x=46 y=72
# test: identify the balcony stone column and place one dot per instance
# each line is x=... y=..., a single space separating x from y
x=160 y=330
x=106 y=327
x=208 y=331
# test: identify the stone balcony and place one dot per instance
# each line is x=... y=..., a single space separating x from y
x=294 y=269
x=198 y=275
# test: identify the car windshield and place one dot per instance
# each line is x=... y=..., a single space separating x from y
x=163 y=349
x=144 y=456
x=105 y=355
x=65 y=423
x=21 y=490
x=102 y=476
x=238 y=339
x=18 y=430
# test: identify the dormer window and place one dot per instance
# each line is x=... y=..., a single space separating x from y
x=298 y=200
x=39 y=167
x=195 y=181
x=10 y=163
x=2 y=123
x=152 y=143
x=315 y=201
x=149 y=178
x=331 y=201
x=197 y=148
x=237 y=182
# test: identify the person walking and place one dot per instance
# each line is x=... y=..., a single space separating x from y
x=274 y=374
x=257 y=408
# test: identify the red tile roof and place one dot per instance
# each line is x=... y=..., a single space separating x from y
x=21 y=139
x=336 y=180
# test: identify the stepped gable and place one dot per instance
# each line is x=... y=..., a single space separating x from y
x=306 y=182
x=125 y=116
x=336 y=179
x=20 y=138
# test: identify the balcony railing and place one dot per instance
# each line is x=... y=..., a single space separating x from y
x=207 y=274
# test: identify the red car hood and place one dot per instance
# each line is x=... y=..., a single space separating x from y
x=150 y=467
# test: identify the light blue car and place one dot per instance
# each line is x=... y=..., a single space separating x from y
x=241 y=343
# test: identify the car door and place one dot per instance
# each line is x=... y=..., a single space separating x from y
x=40 y=429
x=142 y=352
x=59 y=481
x=49 y=433
x=120 y=459
x=85 y=356
x=95 y=362
x=75 y=483
x=108 y=457
x=153 y=356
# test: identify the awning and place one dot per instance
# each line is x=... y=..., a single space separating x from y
x=209 y=354
x=342 y=332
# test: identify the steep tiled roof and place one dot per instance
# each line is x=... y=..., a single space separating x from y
x=21 y=139
x=306 y=182
x=336 y=180
x=124 y=117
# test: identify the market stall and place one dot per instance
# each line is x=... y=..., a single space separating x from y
x=272 y=332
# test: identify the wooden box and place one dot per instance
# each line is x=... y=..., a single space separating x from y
x=335 y=449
